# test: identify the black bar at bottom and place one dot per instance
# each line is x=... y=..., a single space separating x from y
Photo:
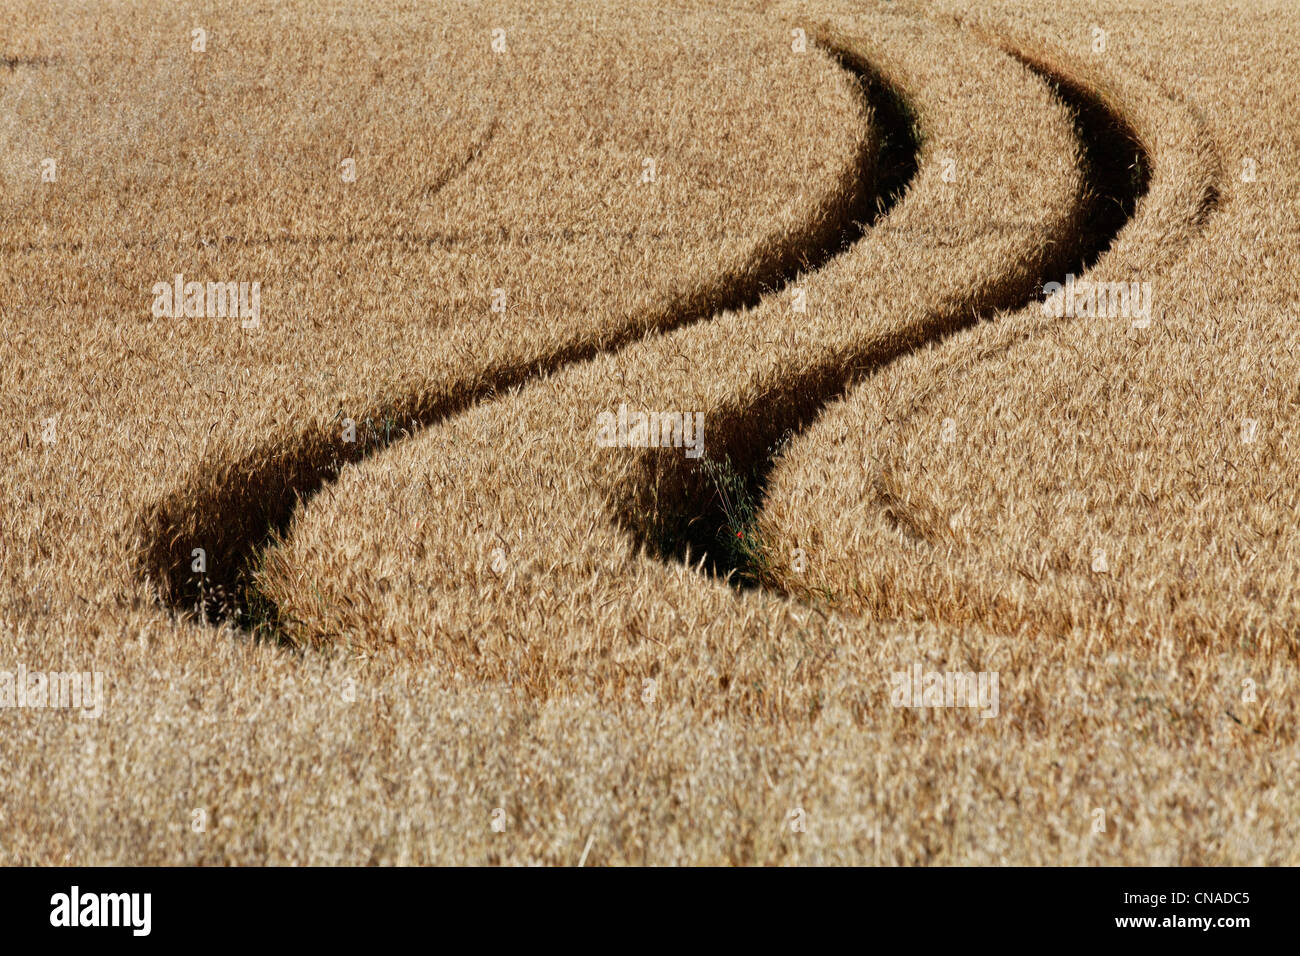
x=335 y=907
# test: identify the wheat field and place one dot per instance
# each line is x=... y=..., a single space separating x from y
x=573 y=433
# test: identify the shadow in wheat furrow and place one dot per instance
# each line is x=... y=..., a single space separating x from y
x=237 y=508
x=717 y=510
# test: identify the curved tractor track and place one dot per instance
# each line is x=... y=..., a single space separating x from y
x=908 y=538
x=1117 y=171
x=235 y=526
x=501 y=557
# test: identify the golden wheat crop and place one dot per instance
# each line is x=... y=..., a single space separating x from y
x=375 y=568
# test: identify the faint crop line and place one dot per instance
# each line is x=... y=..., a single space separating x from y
x=453 y=172
x=476 y=149
x=14 y=62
